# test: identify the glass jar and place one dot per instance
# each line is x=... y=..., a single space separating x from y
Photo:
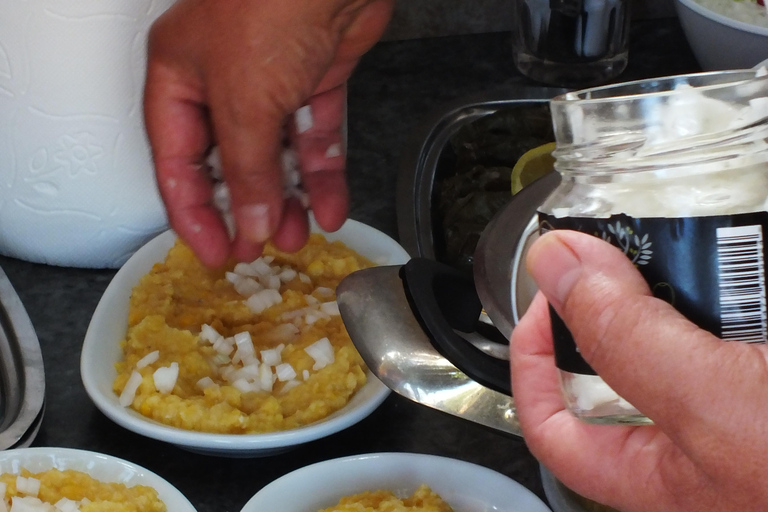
x=674 y=172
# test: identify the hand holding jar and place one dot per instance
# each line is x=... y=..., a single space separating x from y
x=245 y=75
x=708 y=446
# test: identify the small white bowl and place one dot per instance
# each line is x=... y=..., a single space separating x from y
x=719 y=42
x=101 y=350
x=466 y=487
x=104 y=468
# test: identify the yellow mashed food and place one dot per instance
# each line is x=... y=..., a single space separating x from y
x=170 y=306
x=422 y=500
x=90 y=494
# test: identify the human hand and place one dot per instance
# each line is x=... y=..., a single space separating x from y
x=708 y=448
x=232 y=74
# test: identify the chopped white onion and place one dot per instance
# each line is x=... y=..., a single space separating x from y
x=312 y=301
x=330 y=308
x=245 y=350
x=224 y=346
x=261 y=267
x=304 y=278
x=324 y=291
x=246 y=270
x=165 y=377
x=244 y=386
x=28 y=504
x=303 y=119
x=29 y=486
x=285 y=372
x=209 y=334
x=290 y=385
x=271 y=356
x=322 y=352
x=66 y=505
x=246 y=286
x=305 y=374
x=148 y=359
x=282 y=333
x=288 y=274
x=264 y=299
x=205 y=383
x=311 y=317
x=248 y=372
x=129 y=391
x=266 y=377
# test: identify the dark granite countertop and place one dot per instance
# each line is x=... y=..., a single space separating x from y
x=395 y=87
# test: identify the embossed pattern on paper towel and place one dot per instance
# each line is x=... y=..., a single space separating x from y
x=76 y=180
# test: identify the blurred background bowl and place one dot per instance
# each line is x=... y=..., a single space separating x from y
x=720 y=42
x=466 y=487
x=99 y=466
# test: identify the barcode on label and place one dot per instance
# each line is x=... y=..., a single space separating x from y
x=741 y=275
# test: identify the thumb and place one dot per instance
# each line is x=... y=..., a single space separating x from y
x=640 y=345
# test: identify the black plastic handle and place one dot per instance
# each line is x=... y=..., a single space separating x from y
x=443 y=299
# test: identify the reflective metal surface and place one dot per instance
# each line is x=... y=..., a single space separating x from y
x=504 y=287
x=22 y=381
x=384 y=330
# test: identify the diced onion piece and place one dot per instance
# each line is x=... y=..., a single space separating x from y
x=282 y=332
x=273 y=282
x=245 y=351
x=209 y=334
x=266 y=377
x=304 y=278
x=303 y=119
x=312 y=301
x=66 y=505
x=322 y=352
x=221 y=359
x=246 y=286
x=245 y=269
x=232 y=277
x=244 y=386
x=324 y=291
x=311 y=317
x=290 y=385
x=330 y=308
x=228 y=373
x=165 y=377
x=288 y=274
x=205 y=383
x=249 y=372
x=267 y=259
x=224 y=346
x=262 y=300
x=285 y=372
x=271 y=356
x=148 y=359
x=261 y=267
x=129 y=391
x=305 y=374
x=29 y=486
x=28 y=504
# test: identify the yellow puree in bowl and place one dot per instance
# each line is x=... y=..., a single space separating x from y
x=75 y=485
x=422 y=500
x=171 y=303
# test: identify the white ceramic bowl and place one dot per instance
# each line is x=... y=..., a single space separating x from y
x=102 y=467
x=466 y=487
x=719 y=42
x=101 y=349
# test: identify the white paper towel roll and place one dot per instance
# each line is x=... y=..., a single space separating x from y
x=77 y=185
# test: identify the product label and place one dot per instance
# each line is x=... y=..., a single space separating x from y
x=711 y=269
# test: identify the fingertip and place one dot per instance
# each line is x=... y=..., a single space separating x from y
x=329 y=198
x=205 y=233
x=293 y=232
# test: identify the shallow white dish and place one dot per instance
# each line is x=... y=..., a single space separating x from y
x=101 y=349
x=464 y=486
x=104 y=468
x=720 y=42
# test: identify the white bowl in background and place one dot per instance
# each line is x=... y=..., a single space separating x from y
x=719 y=42
x=101 y=350
x=104 y=468
x=466 y=487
